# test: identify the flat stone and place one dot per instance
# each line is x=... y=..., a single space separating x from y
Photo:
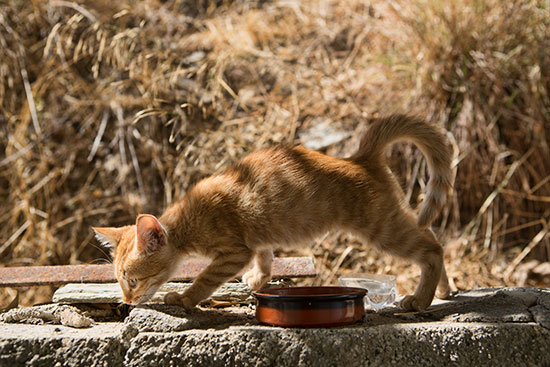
x=74 y=293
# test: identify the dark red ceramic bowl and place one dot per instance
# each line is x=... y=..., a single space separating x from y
x=310 y=306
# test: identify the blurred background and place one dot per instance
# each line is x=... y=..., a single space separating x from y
x=113 y=108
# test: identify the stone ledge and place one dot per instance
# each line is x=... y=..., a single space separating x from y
x=505 y=327
x=403 y=345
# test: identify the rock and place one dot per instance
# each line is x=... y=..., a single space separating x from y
x=544 y=299
x=58 y=314
x=72 y=318
x=323 y=133
x=541 y=316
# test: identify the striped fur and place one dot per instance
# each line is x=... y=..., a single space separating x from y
x=285 y=196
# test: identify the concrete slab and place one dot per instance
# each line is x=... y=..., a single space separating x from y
x=504 y=327
x=402 y=345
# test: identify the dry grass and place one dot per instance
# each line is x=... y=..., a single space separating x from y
x=109 y=109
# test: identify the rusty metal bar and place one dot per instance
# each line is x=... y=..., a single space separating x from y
x=283 y=267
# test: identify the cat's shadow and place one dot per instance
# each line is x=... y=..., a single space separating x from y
x=161 y=317
x=495 y=307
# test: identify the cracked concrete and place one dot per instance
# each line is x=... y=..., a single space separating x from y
x=505 y=327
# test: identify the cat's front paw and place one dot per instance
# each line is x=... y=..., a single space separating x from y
x=255 y=279
x=172 y=298
x=176 y=299
x=413 y=303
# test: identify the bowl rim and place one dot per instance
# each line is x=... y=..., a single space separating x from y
x=325 y=293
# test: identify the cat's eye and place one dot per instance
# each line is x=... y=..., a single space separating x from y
x=132 y=282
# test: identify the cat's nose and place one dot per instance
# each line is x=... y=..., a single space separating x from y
x=127 y=300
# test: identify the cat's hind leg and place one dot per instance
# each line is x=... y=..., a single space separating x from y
x=402 y=237
x=261 y=269
x=443 y=288
x=427 y=252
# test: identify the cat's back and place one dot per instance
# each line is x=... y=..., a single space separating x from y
x=290 y=174
x=295 y=163
x=280 y=178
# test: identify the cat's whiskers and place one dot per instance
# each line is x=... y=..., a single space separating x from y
x=102 y=250
x=102 y=261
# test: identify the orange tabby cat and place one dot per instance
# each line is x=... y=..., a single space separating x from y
x=284 y=196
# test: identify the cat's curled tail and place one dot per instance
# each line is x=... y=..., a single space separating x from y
x=431 y=142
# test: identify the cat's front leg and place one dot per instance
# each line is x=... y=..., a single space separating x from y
x=261 y=271
x=224 y=267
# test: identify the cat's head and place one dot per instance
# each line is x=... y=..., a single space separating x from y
x=142 y=258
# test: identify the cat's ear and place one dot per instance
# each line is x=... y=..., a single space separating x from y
x=151 y=236
x=109 y=237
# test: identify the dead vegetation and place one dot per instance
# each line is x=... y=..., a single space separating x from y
x=109 y=109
